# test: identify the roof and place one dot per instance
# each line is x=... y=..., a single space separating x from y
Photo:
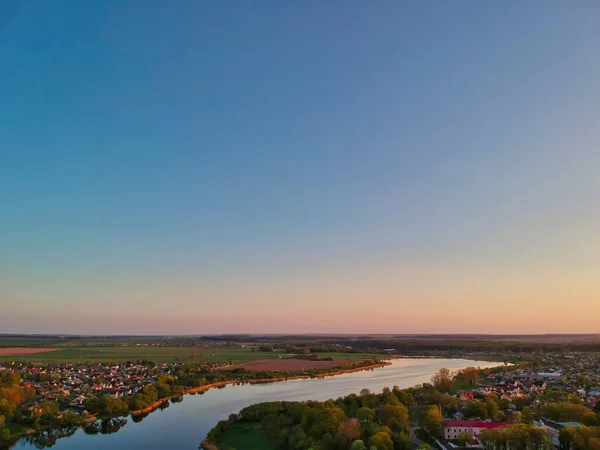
x=474 y=424
x=558 y=425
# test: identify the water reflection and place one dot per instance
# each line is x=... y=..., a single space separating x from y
x=48 y=438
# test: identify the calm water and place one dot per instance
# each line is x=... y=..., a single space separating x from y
x=183 y=425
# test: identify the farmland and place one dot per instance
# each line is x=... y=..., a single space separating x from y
x=289 y=365
x=20 y=351
x=224 y=355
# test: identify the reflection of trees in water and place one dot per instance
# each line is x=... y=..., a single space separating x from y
x=107 y=426
x=164 y=405
x=48 y=438
x=177 y=399
x=110 y=426
x=92 y=428
x=139 y=417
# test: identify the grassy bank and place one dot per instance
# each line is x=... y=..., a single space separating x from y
x=247 y=437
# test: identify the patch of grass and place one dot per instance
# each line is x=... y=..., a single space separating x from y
x=17 y=428
x=244 y=436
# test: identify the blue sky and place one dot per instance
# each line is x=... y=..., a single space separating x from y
x=195 y=167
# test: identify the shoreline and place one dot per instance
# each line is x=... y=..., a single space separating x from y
x=388 y=360
x=222 y=384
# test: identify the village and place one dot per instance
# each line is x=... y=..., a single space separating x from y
x=550 y=392
x=556 y=392
x=72 y=385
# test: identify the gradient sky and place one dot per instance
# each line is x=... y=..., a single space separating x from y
x=340 y=166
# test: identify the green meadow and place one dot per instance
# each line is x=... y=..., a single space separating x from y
x=247 y=437
x=233 y=355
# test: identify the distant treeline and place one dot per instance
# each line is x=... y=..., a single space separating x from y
x=440 y=345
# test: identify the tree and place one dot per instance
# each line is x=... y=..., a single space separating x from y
x=358 y=445
x=476 y=409
x=463 y=438
x=406 y=398
x=4 y=434
x=402 y=441
x=424 y=447
x=516 y=417
x=527 y=415
x=565 y=438
x=442 y=379
x=433 y=422
x=348 y=431
x=471 y=374
x=265 y=347
x=178 y=390
x=365 y=415
x=369 y=400
x=381 y=441
x=590 y=419
x=491 y=408
x=327 y=420
x=564 y=411
x=7 y=408
x=396 y=414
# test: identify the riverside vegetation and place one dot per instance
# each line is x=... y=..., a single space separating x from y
x=385 y=421
x=23 y=412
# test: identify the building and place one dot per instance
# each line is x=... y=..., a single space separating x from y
x=452 y=428
x=553 y=428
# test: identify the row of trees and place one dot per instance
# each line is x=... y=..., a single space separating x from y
x=12 y=396
x=524 y=437
x=527 y=437
x=580 y=438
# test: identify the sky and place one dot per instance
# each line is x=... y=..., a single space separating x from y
x=200 y=167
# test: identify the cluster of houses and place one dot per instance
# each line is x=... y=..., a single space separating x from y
x=71 y=385
x=577 y=374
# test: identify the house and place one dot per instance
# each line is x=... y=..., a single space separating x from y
x=452 y=428
x=78 y=401
x=553 y=428
x=466 y=396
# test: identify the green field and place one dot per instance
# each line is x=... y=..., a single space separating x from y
x=17 y=428
x=246 y=437
x=28 y=342
x=353 y=356
x=235 y=355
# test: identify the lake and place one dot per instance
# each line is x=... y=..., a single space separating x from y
x=183 y=425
